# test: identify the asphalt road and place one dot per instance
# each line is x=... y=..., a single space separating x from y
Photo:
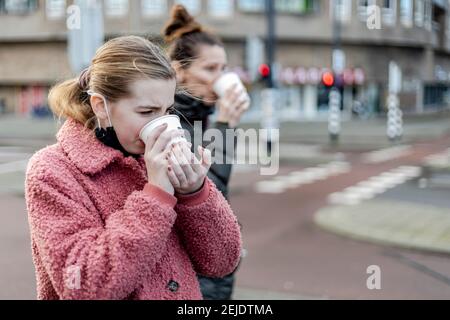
x=288 y=253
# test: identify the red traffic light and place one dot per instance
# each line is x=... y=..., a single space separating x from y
x=264 y=70
x=328 y=79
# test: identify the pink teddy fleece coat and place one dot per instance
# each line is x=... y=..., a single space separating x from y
x=99 y=230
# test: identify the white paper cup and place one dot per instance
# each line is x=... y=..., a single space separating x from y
x=226 y=81
x=173 y=123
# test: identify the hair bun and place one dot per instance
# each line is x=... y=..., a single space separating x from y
x=84 y=78
x=180 y=24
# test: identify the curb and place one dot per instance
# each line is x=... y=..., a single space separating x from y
x=392 y=223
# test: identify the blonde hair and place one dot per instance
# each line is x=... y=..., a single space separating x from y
x=116 y=64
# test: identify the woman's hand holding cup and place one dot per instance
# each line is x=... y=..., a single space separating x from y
x=233 y=99
x=170 y=163
x=232 y=106
x=187 y=173
x=157 y=148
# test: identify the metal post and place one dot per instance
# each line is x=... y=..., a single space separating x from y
x=271 y=41
x=394 y=116
x=268 y=96
x=334 y=108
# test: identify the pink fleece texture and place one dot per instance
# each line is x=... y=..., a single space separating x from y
x=100 y=231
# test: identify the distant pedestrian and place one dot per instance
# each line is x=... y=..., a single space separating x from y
x=199 y=59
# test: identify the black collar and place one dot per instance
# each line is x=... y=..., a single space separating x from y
x=193 y=109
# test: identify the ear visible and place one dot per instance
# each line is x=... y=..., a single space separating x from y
x=98 y=106
x=181 y=73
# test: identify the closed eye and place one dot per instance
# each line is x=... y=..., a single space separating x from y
x=147 y=112
x=152 y=111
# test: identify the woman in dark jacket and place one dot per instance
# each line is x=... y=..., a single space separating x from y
x=200 y=59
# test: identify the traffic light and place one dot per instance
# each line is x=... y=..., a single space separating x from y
x=264 y=71
x=265 y=74
x=328 y=79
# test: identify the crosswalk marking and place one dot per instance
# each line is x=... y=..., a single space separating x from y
x=374 y=186
x=296 y=179
x=439 y=159
x=387 y=154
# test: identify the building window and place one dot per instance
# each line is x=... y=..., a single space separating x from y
x=295 y=6
x=342 y=10
x=116 y=8
x=192 y=6
x=283 y=6
x=18 y=6
x=252 y=5
x=55 y=9
x=419 y=12
x=389 y=12
x=221 y=8
x=406 y=12
x=151 y=8
x=363 y=8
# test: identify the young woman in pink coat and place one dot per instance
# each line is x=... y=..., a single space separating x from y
x=112 y=217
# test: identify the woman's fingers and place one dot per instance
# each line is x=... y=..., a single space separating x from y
x=164 y=139
x=205 y=155
x=173 y=178
x=245 y=101
x=177 y=170
x=238 y=112
x=185 y=162
x=194 y=162
x=229 y=93
x=182 y=166
x=234 y=98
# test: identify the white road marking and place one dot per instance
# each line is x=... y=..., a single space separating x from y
x=296 y=179
x=439 y=159
x=343 y=199
x=373 y=186
x=387 y=154
x=271 y=187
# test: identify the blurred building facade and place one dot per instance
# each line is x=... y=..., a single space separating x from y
x=413 y=33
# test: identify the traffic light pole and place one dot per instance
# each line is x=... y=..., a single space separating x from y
x=334 y=104
x=271 y=43
x=268 y=95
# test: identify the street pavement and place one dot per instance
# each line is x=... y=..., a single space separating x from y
x=288 y=255
x=288 y=252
